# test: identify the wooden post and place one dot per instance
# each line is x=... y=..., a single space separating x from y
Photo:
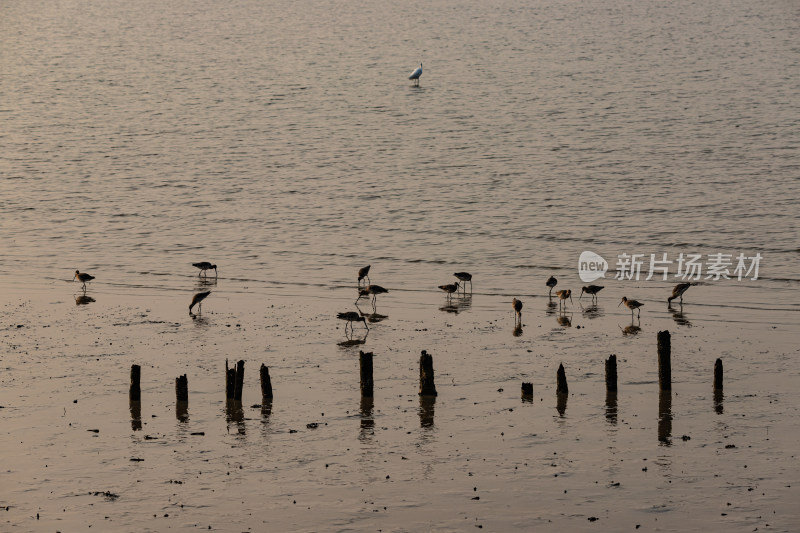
x=527 y=389
x=182 y=388
x=718 y=375
x=427 y=387
x=664 y=364
x=266 y=383
x=611 y=373
x=135 y=393
x=561 y=379
x=237 y=393
x=230 y=381
x=365 y=362
x=665 y=417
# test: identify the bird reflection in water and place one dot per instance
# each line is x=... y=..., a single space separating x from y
x=592 y=311
x=552 y=306
x=564 y=320
x=373 y=317
x=678 y=316
x=517 y=332
x=202 y=283
x=457 y=304
x=352 y=340
x=632 y=329
x=84 y=300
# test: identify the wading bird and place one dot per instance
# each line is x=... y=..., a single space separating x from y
x=84 y=277
x=591 y=289
x=465 y=277
x=205 y=265
x=416 y=74
x=198 y=301
x=631 y=304
x=551 y=282
x=350 y=317
x=563 y=295
x=678 y=290
x=363 y=272
x=450 y=288
x=517 y=305
x=374 y=290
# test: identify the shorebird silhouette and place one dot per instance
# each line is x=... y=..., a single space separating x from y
x=678 y=290
x=591 y=289
x=84 y=277
x=416 y=74
x=450 y=288
x=363 y=272
x=551 y=282
x=198 y=301
x=465 y=277
x=517 y=305
x=374 y=290
x=563 y=295
x=350 y=317
x=205 y=265
x=631 y=304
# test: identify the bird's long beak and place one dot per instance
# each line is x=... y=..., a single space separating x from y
x=581 y=296
x=620 y=303
x=570 y=299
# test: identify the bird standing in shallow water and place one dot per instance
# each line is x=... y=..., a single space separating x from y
x=517 y=305
x=678 y=290
x=363 y=272
x=198 y=301
x=465 y=277
x=350 y=317
x=416 y=74
x=551 y=282
x=450 y=288
x=205 y=265
x=374 y=290
x=591 y=289
x=563 y=295
x=84 y=277
x=631 y=304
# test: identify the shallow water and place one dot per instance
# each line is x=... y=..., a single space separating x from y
x=282 y=141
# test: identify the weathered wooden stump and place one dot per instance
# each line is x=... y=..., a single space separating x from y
x=135 y=393
x=182 y=388
x=611 y=373
x=365 y=363
x=718 y=375
x=266 y=383
x=527 y=389
x=237 y=392
x=611 y=406
x=427 y=387
x=230 y=381
x=136 y=416
x=367 y=418
x=664 y=364
x=561 y=380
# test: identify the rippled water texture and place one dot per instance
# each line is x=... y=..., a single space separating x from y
x=283 y=141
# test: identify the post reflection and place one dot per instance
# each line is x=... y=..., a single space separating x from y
x=266 y=409
x=561 y=403
x=611 y=407
x=665 y=417
x=182 y=411
x=719 y=396
x=136 y=416
x=426 y=411
x=367 y=418
x=234 y=416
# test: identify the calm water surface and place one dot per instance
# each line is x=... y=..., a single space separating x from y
x=283 y=141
